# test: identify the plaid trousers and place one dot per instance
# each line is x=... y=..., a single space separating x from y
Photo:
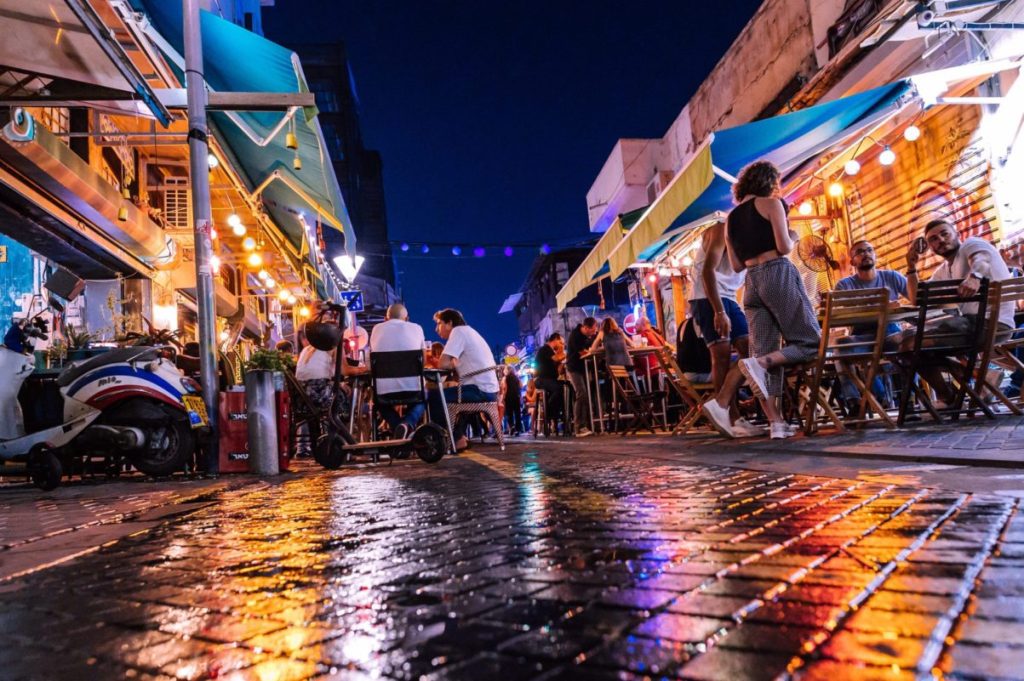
x=778 y=309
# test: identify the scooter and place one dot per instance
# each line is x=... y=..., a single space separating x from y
x=132 y=402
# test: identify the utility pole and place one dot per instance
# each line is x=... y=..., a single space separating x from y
x=199 y=154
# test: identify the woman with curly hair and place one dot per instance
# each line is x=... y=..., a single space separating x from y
x=775 y=302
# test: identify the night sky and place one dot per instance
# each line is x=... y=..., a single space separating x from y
x=493 y=119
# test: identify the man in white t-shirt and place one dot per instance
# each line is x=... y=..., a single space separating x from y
x=968 y=262
x=466 y=351
x=396 y=334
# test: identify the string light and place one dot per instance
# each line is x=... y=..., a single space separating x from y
x=215 y=263
x=887 y=157
x=424 y=249
x=213 y=234
x=270 y=283
x=835 y=189
x=912 y=133
x=262 y=275
x=255 y=260
x=249 y=244
x=508 y=251
x=479 y=252
x=852 y=167
x=456 y=250
x=687 y=261
x=303 y=311
x=212 y=161
x=806 y=208
x=283 y=295
x=404 y=247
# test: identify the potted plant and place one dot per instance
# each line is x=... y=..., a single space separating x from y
x=56 y=354
x=261 y=370
x=79 y=341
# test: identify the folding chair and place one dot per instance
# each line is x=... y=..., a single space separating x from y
x=692 y=394
x=641 y=406
x=385 y=368
x=858 y=360
x=488 y=409
x=1000 y=349
x=956 y=352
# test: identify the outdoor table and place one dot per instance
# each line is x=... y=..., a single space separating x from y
x=593 y=379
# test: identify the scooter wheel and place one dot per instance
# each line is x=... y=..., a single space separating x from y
x=44 y=469
x=330 y=452
x=430 y=442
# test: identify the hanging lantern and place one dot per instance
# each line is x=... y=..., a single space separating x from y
x=122 y=213
x=852 y=167
x=262 y=275
x=291 y=141
x=912 y=133
x=297 y=162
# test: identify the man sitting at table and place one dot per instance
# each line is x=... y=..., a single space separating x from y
x=549 y=360
x=866 y=276
x=969 y=262
x=718 y=316
x=395 y=334
x=468 y=352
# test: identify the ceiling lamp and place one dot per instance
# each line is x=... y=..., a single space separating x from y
x=212 y=161
x=806 y=208
x=254 y=260
x=852 y=167
x=262 y=275
x=283 y=295
x=835 y=189
x=887 y=157
x=249 y=244
x=912 y=133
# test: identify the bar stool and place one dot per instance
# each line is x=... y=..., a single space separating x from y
x=539 y=422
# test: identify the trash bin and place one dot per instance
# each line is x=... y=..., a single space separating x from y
x=234 y=431
x=261 y=414
x=284 y=429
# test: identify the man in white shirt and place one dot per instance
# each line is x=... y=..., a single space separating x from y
x=968 y=262
x=396 y=334
x=466 y=351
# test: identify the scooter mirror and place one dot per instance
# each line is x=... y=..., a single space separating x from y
x=56 y=305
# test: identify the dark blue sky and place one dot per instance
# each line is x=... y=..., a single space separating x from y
x=493 y=119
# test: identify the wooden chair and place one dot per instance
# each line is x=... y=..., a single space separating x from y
x=955 y=353
x=640 y=405
x=856 y=357
x=1000 y=348
x=692 y=394
x=539 y=420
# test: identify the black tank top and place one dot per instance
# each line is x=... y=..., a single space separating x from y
x=750 y=233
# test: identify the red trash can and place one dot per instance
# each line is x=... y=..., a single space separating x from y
x=234 y=433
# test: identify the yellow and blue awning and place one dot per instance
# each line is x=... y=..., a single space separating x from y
x=595 y=266
x=237 y=60
x=788 y=141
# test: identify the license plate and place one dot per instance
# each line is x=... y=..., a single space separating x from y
x=196 y=409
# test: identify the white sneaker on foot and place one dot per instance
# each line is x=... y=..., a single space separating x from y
x=584 y=432
x=744 y=428
x=756 y=376
x=781 y=430
x=719 y=417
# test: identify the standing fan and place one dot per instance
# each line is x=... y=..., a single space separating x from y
x=816 y=255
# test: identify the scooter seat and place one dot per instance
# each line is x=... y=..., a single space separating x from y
x=79 y=369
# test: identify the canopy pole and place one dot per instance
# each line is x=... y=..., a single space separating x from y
x=199 y=153
x=724 y=175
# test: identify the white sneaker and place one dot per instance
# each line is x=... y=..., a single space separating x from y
x=781 y=431
x=584 y=432
x=756 y=376
x=744 y=428
x=719 y=417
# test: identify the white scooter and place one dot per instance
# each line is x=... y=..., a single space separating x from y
x=128 y=401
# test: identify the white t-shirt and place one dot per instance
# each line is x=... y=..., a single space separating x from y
x=471 y=350
x=396 y=335
x=313 y=364
x=726 y=277
x=961 y=267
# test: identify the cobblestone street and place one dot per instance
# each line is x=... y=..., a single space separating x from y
x=543 y=562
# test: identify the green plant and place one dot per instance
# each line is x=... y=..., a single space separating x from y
x=57 y=351
x=270 y=360
x=79 y=338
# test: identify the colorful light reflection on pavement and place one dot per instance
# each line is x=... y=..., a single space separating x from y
x=556 y=565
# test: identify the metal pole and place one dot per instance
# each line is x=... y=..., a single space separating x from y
x=199 y=153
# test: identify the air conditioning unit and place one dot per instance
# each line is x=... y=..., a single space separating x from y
x=658 y=184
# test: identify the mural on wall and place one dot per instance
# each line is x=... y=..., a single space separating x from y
x=945 y=173
x=17 y=278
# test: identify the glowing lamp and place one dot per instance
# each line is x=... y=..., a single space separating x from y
x=262 y=275
x=545 y=249
x=687 y=261
x=254 y=260
x=270 y=283
x=852 y=167
x=292 y=299
x=224 y=335
x=215 y=263
x=213 y=233
x=456 y=250
x=835 y=189
x=212 y=161
x=283 y=295
x=806 y=208
x=424 y=249
x=234 y=220
x=508 y=251
x=479 y=252
x=912 y=133
x=404 y=247
x=349 y=266
x=303 y=311
x=249 y=244
x=653 y=277
x=887 y=157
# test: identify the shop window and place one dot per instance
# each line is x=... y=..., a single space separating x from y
x=56 y=119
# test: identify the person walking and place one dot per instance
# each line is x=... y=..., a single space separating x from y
x=774 y=299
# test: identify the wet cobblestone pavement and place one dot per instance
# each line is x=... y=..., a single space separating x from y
x=546 y=564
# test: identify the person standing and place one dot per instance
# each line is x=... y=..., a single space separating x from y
x=513 y=401
x=467 y=352
x=719 y=317
x=549 y=360
x=580 y=340
x=758 y=239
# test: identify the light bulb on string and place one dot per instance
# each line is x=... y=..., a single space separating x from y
x=806 y=208
x=424 y=249
x=262 y=275
x=835 y=189
x=213 y=234
x=270 y=283
x=249 y=244
x=887 y=157
x=292 y=299
x=255 y=260
x=234 y=220
x=215 y=263
x=912 y=133
x=509 y=251
x=404 y=247
x=456 y=250
x=852 y=167
x=479 y=252
x=212 y=161
x=283 y=295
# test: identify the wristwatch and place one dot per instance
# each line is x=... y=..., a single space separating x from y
x=976 y=275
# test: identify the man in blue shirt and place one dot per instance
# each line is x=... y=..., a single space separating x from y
x=862 y=257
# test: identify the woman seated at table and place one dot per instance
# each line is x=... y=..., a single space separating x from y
x=616 y=345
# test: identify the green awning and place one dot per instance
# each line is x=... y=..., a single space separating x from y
x=237 y=60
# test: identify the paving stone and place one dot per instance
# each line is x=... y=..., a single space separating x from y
x=988 y=662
